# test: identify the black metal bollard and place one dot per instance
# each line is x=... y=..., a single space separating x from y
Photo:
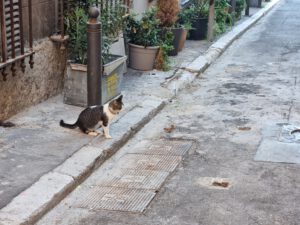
x=94 y=62
x=233 y=6
x=259 y=3
x=247 y=8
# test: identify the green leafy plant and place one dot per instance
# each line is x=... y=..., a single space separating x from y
x=198 y=9
x=162 y=61
x=239 y=7
x=76 y=23
x=185 y=19
x=222 y=16
x=112 y=21
x=76 y=28
x=144 y=32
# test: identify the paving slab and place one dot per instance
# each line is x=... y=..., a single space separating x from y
x=274 y=151
x=279 y=144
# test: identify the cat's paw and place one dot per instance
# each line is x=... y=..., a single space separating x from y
x=108 y=137
x=93 y=133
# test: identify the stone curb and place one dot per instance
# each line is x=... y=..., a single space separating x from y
x=30 y=205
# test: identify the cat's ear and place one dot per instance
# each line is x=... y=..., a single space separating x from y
x=120 y=99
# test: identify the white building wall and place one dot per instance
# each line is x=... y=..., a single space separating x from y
x=139 y=6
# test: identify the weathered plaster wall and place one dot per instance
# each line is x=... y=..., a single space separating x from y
x=139 y=6
x=35 y=85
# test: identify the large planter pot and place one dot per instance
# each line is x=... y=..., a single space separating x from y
x=75 y=90
x=142 y=58
x=199 y=30
x=177 y=33
x=182 y=39
x=255 y=3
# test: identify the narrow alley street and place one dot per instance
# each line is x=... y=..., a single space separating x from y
x=235 y=167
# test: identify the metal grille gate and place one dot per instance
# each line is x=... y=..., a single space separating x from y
x=12 y=36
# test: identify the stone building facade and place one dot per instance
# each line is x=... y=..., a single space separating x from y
x=45 y=79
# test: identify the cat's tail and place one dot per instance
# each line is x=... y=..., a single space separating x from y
x=66 y=125
x=6 y=124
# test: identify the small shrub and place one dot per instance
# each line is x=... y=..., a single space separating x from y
x=144 y=32
x=239 y=7
x=222 y=16
x=162 y=61
x=167 y=12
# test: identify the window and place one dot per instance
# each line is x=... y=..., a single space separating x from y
x=12 y=36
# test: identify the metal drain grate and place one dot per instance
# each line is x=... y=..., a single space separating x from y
x=164 y=147
x=149 y=162
x=118 y=199
x=145 y=179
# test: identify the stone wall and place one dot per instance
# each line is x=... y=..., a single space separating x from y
x=35 y=85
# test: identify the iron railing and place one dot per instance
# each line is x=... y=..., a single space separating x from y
x=12 y=36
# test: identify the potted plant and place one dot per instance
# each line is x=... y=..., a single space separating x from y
x=186 y=23
x=239 y=7
x=198 y=12
x=167 y=13
x=222 y=16
x=162 y=61
x=75 y=91
x=112 y=26
x=255 y=3
x=144 y=40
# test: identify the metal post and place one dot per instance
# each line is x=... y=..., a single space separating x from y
x=247 y=8
x=30 y=32
x=211 y=20
x=233 y=6
x=259 y=3
x=94 y=62
x=3 y=32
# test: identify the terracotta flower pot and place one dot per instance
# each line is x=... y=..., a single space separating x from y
x=182 y=39
x=177 y=32
x=141 y=58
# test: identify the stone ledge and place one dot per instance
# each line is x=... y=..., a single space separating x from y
x=37 y=199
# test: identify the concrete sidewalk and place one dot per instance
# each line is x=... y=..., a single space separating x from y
x=42 y=162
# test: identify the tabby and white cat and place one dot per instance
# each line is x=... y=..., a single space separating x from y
x=93 y=117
